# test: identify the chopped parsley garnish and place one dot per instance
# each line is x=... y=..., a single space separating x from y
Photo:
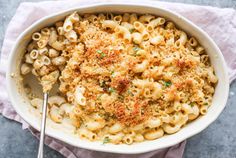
x=99 y=51
x=136 y=48
x=102 y=54
x=192 y=104
x=111 y=90
x=112 y=73
x=167 y=84
x=205 y=103
x=130 y=93
x=106 y=140
x=131 y=30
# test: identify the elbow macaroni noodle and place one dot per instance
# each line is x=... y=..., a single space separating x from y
x=122 y=78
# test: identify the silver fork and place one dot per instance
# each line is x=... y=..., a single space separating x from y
x=43 y=124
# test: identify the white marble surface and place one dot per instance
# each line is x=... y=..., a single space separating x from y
x=217 y=141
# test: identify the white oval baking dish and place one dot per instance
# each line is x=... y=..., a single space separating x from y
x=24 y=109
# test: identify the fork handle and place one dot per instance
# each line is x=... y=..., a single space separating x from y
x=43 y=124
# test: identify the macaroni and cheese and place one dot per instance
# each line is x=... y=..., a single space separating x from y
x=122 y=78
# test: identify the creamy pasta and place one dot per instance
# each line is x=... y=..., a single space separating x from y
x=122 y=78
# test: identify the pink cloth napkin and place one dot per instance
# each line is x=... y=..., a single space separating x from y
x=220 y=24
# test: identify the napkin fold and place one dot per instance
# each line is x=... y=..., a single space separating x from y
x=220 y=24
